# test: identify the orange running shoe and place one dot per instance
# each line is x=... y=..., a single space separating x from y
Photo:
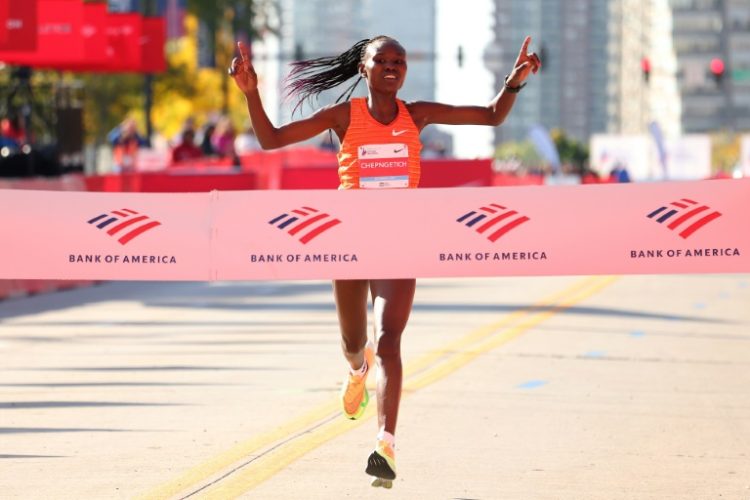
x=354 y=395
x=381 y=465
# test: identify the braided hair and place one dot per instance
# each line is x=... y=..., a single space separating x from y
x=309 y=78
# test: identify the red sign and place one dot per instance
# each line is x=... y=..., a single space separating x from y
x=93 y=32
x=134 y=44
x=124 y=42
x=71 y=35
x=110 y=41
x=59 y=39
x=152 y=49
x=18 y=21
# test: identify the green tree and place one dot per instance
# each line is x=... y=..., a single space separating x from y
x=520 y=153
x=725 y=152
x=184 y=89
x=571 y=151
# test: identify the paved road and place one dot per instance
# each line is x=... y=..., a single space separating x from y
x=516 y=388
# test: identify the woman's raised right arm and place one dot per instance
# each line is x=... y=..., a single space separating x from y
x=269 y=136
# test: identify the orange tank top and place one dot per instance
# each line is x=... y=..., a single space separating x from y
x=378 y=156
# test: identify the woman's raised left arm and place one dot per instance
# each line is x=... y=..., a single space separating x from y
x=425 y=113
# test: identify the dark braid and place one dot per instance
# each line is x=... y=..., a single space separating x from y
x=309 y=78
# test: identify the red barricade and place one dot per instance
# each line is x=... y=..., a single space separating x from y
x=502 y=179
x=435 y=173
x=173 y=181
x=451 y=172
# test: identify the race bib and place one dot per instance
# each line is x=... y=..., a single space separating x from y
x=383 y=166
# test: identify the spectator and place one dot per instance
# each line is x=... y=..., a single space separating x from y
x=7 y=139
x=125 y=140
x=205 y=143
x=619 y=173
x=186 y=149
x=11 y=130
x=223 y=141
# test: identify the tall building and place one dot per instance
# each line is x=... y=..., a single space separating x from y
x=712 y=42
x=315 y=28
x=664 y=95
x=643 y=68
x=571 y=92
x=615 y=66
x=738 y=46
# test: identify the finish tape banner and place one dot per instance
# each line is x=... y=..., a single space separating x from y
x=657 y=228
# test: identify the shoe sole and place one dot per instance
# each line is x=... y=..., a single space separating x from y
x=378 y=467
x=381 y=483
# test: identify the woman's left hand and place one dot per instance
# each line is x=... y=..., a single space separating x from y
x=527 y=62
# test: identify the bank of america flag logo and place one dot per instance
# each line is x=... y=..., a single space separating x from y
x=685 y=216
x=305 y=223
x=492 y=220
x=124 y=224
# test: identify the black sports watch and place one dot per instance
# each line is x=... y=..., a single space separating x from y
x=512 y=90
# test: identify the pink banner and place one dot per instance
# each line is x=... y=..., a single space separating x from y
x=113 y=236
x=658 y=228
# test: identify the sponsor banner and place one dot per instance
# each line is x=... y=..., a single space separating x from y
x=124 y=38
x=18 y=25
x=686 y=157
x=153 y=40
x=689 y=157
x=84 y=37
x=631 y=152
x=654 y=228
x=58 y=35
x=94 y=33
x=123 y=236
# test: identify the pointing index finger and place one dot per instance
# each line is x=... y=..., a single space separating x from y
x=243 y=52
x=525 y=46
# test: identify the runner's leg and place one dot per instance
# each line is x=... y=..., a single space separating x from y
x=351 y=306
x=392 y=303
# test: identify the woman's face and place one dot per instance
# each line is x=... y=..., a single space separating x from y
x=384 y=65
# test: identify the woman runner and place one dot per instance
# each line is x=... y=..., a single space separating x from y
x=379 y=149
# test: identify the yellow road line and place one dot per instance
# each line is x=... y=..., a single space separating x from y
x=483 y=332
x=464 y=356
x=424 y=371
x=204 y=471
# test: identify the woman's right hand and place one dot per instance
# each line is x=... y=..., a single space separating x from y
x=242 y=71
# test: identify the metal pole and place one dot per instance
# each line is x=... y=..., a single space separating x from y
x=148 y=90
x=149 y=9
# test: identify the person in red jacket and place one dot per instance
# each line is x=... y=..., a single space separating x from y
x=186 y=149
x=379 y=149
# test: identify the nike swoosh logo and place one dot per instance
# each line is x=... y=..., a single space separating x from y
x=396 y=133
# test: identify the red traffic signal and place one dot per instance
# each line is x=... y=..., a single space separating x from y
x=716 y=66
x=646 y=68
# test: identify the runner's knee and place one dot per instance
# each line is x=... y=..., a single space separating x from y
x=389 y=345
x=353 y=343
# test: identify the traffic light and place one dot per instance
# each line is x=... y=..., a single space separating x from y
x=299 y=52
x=716 y=66
x=646 y=68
